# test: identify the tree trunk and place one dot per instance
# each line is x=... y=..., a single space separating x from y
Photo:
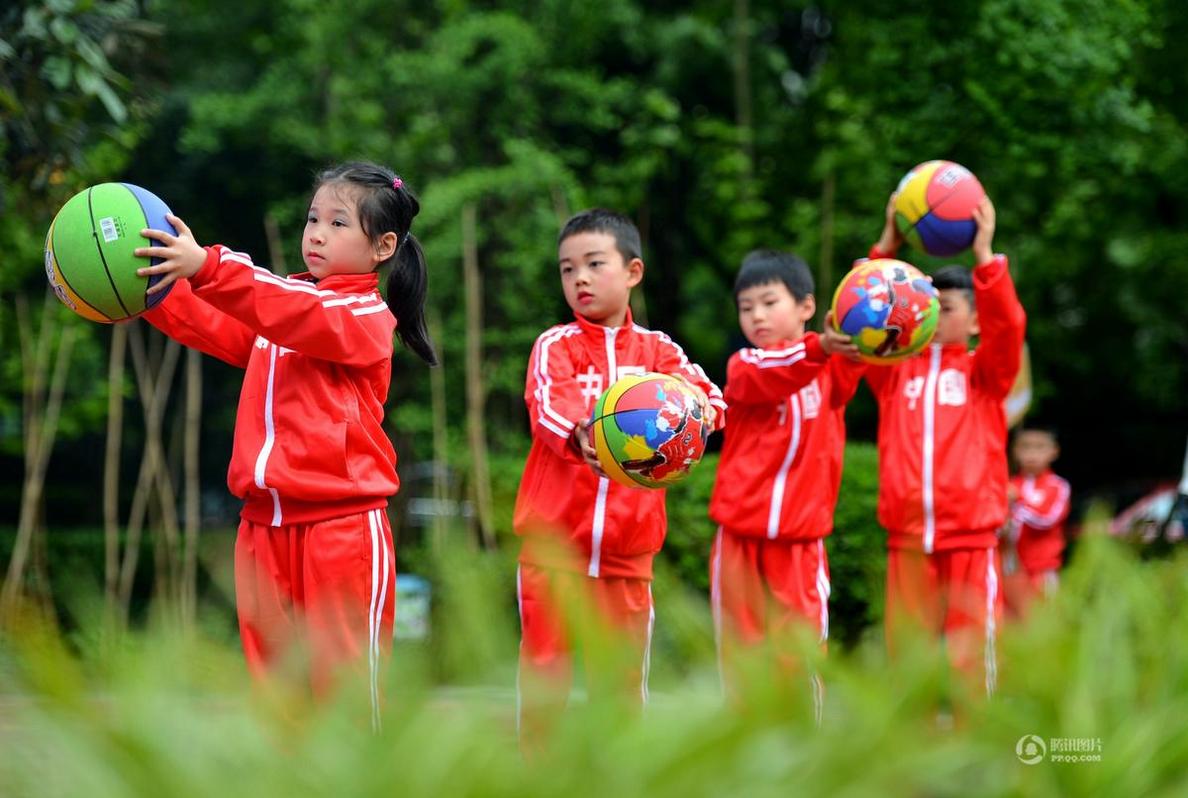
x=41 y=429
x=476 y=394
x=743 y=111
x=111 y=468
x=441 y=455
x=825 y=262
x=276 y=252
x=193 y=485
x=153 y=477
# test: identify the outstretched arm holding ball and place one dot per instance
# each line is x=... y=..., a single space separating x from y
x=891 y=239
x=181 y=256
x=983 y=243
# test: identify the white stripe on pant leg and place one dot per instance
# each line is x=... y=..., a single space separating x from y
x=379 y=617
x=647 y=659
x=716 y=606
x=823 y=591
x=520 y=664
x=991 y=663
x=818 y=687
x=371 y=631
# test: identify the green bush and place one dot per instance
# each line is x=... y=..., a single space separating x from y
x=172 y=714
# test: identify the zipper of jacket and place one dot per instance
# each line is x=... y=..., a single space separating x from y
x=599 y=523
x=269 y=437
x=930 y=447
x=777 y=488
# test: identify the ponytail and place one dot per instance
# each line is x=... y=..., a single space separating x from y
x=407 y=285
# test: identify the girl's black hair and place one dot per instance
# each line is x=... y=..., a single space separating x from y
x=385 y=204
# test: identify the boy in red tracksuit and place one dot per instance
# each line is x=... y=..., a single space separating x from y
x=585 y=538
x=781 y=462
x=1035 y=532
x=315 y=566
x=942 y=458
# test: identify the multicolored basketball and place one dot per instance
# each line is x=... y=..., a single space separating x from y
x=934 y=207
x=648 y=430
x=889 y=309
x=88 y=251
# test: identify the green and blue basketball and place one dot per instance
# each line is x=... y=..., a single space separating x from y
x=89 y=246
x=934 y=207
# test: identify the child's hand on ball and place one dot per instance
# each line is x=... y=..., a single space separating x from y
x=835 y=342
x=580 y=438
x=181 y=256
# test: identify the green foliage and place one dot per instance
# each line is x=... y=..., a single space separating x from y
x=166 y=714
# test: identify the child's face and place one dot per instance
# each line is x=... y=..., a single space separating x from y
x=768 y=313
x=1035 y=450
x=334 y=241
x=958 y=319
x=596 y=280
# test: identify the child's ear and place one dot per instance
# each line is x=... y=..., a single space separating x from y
x=386 y=246
x=635 y=272
x=974 y=327
x=808 y=307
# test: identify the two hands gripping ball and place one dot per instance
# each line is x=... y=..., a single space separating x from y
x=934 y=207
x=648 y=430
x=888 y=308
x=88 y=251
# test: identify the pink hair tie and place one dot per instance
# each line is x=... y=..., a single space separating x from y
x=397 y=182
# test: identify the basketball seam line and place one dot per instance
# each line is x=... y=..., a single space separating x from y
x=65 y=279
x=103 y=260
x=143 y=212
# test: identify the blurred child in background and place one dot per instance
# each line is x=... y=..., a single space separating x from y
x=1034 y=545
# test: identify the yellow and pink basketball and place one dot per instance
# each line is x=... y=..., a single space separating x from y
x=88 y=251
x=648 y=430
x=934 y=207
x=888 y=308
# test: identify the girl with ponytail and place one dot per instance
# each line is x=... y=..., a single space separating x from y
x=315 y=567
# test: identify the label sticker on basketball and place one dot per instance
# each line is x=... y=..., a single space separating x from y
x=107 y=225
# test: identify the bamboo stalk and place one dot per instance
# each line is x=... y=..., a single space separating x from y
x=111 y=466
x=193 y=485
x=475 y=390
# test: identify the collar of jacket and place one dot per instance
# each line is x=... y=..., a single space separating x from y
x=342 y=283
x=599 y=330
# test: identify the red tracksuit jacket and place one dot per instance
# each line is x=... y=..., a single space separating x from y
x=942 y=428
x=309 y=437
x=785 y=436
x=1037 y=521
x=614 y=530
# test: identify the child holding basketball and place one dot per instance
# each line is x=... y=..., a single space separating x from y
x=586 y=540
x=314 y=558
x=781 y=464
x=942 y=457
x=1034 y=543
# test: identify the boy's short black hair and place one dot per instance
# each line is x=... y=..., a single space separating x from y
x=1039 y=427
x=762 y=266
x=601 y=220
x=954 y=277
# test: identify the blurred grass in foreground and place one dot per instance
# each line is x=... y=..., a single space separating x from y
x=162 y=714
